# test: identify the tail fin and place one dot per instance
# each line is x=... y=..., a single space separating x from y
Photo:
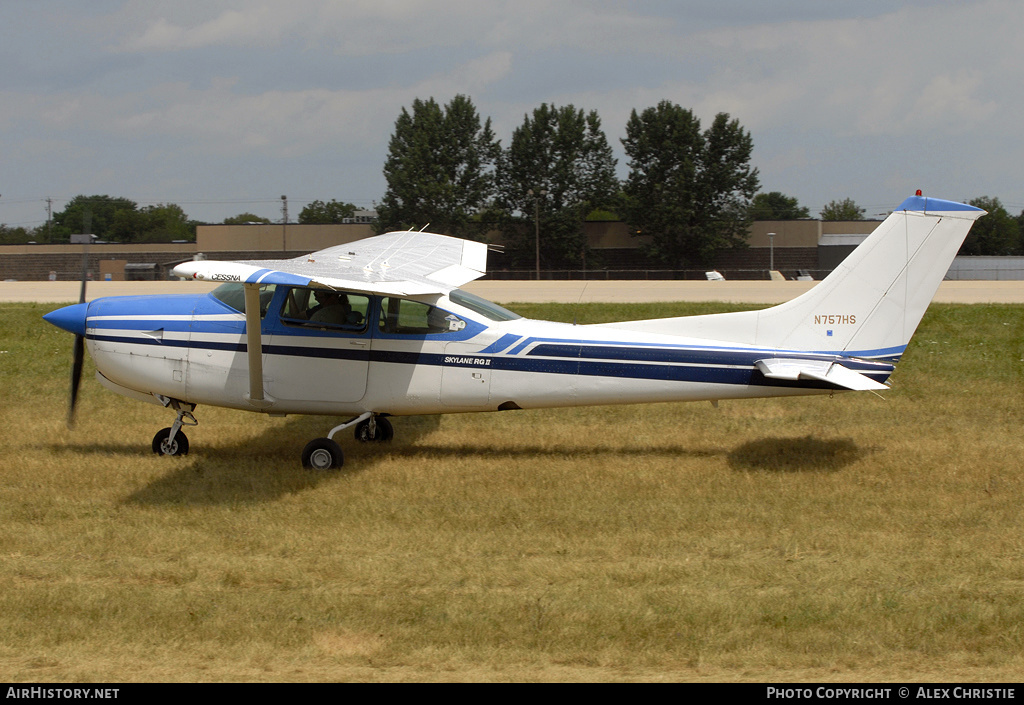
x=869 y=306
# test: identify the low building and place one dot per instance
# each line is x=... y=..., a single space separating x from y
x=794 y=247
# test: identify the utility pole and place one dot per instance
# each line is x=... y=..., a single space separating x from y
x=49 y=216
x=284 y=223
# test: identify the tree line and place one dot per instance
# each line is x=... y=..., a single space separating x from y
x=690 y=189
x=113 y=219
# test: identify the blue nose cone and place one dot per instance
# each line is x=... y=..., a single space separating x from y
x=69 y=318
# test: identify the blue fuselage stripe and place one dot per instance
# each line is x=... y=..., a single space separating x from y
x=703 y=366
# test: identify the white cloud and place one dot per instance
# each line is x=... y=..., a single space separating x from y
x=258 y=26
x=222 y=120
x=234 y=86
x=366 y=27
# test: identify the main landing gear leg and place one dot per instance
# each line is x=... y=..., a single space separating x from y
x=325 y=453
x=375 y=428
x=171 y=441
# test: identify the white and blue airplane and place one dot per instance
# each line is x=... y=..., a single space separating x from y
x=380 y=327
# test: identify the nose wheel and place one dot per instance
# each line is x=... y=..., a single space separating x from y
x=165 y=444
x=171 y=441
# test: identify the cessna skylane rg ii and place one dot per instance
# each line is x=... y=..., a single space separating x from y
x=379 y=328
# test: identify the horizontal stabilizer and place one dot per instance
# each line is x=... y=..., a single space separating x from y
x=822 y=370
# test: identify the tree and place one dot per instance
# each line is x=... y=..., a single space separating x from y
x=15 y=236
x=245 y=219
x=558 y=168
x=104 y=217
x=842 y=210
x=776 y=206
x=119 y=220
x=164 y=222
x=319 y=213
x=688 y=190
x=998 y=233
x=439 y=169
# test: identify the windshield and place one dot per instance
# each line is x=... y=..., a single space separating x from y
x=482 y=306
x=233 y=295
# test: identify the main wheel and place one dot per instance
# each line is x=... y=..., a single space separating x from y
x=385 y=431
x=162 y=445
x=322 y=454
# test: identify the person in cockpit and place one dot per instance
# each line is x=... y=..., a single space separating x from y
x=332 y=308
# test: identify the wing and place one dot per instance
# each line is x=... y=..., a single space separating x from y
x=400 y=263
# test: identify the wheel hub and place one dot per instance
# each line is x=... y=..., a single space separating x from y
x=321 y=459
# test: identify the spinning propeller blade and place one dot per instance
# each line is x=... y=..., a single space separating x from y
x=76 y=377
x=78 y=351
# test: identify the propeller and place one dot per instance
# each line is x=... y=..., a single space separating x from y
x=78 y=351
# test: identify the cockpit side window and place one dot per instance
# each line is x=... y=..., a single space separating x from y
x=325 y=308
x=407 y=317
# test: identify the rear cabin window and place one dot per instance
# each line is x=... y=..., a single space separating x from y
x=482 y=306
x=407 y=317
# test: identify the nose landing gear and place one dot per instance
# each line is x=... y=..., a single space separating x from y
x=171 y=441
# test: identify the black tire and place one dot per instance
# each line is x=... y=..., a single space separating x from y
x=385 y=431
x=322 y=454
x=179 y=446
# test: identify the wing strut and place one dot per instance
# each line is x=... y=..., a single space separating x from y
x=254 y=344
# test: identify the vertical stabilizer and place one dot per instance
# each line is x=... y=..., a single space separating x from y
x=869 y=306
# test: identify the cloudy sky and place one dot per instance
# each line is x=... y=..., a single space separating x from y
x=224 y=106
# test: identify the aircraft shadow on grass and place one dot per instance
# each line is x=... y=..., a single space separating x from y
x=262 y=469
x=807 y=455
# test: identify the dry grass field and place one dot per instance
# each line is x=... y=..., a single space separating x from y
x=828 y=539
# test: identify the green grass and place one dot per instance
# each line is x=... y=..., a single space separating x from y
x=851 y=538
